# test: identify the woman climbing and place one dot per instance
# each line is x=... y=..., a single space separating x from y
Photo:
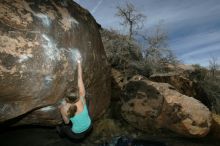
x=75 y=113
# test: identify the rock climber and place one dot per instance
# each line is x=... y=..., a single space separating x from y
x=77 y=122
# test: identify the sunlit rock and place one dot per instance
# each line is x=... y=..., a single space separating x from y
x=39 y=42
x=158 y=105
x=183 y=85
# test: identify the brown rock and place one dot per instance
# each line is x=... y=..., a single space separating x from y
x=117 y=84
x=38 y=44
x=183 y=85
x=144 y=105
x=215 y=129
x=166 y=108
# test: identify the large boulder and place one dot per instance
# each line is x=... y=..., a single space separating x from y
x=155 y=105
x=184 y=85
x=39 y=41
x=143 y=104
x=181 y=83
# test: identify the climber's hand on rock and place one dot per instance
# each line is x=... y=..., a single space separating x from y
x=78 y=61
x=78 y=57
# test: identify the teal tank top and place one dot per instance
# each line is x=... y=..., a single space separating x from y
x=81 y=122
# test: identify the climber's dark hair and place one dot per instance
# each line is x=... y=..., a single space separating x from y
x=71 y=111
x=72 y=97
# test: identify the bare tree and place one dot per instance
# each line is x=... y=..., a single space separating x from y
x=131 y=18
x=156 y=43
x=213 y=65
x=157 y=51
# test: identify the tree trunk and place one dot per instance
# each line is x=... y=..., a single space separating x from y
x=130 y=30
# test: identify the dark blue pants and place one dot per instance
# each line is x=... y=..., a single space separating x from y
x=65 y=130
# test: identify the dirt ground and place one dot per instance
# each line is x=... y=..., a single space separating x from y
x=44 y=136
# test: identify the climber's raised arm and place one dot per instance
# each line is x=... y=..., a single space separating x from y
x=80 y=79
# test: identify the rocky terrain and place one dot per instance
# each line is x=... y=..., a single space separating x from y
x=38 y=54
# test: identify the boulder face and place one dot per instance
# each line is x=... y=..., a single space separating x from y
x=183 y=85
x=39 y=42
x=162 y=106
x=143 y=106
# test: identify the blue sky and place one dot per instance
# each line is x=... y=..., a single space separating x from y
x=193 y=26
